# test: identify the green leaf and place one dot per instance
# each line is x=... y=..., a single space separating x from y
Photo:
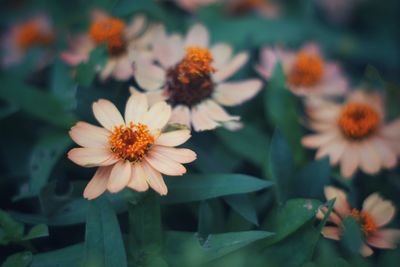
x=282 y=109
x=352 y=235
x=103 y=240
x=243 y=205
x=40 y=230
x=285 y=220
x=86 y=71
x=205 y=220
x=66 y=257
x=21 y=259
x=62 y=85
x=185 y=249
x=197 y=187
x=35 y=102
x=281 y=166
x=249 y=143
x=11 y=230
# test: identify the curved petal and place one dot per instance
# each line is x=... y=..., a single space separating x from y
x=107 y=114
x=331 y=232
x=165 y=165
x=181 y=115
x=350 y=160
x=135 y=26
x=136 y=107
x=149 y=76
x=168 y=51
x=217 y=113
x=365 y=250
x=98 y=184
x=268 y=60
x=382 y=211
x=341 y=206
x=235 y=93
x=154 y=179
x=369 y=159
x=201 y=121
x=231 y=68
x=138 y=178
x=123 y=70
x=88 y=135
x=91 y=156
x=158 y=116
x=181 y=155
x=222 y=53
x=108 y=69
x=386 y=154
x=120 y=176
x=174 y=138
x=320 y=139
x=334 y=149
x=197 y=36
x=386 y=238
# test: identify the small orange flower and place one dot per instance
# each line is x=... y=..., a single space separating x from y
x=375 y=214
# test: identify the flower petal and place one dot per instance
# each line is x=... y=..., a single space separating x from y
x=174 y=138
x=221 y=53
x=181 y=155
x=138 y=178
x=386 y=154
x=369 y=159
x=123 y=70
x=365 y=250
x=88 y=135
x=318 y=140
x=108 y=69
x=386 y=238
x=331 y=232
x=120 y=176
x=168 y=51
x=197 y=36
x=382 y=211
x=201 y=121
x=231 y=68
x=217 y=113
x=181 y=115
x=158 y=116
x=341 y=206
x=350 y=160
x=107 y=114
x=98 y=184
x=91 y=157
x=155 y=179
x=149 y=76
x=235 y=93
x=136 y=107
x=334 y=149
x=165 y=165
x=135 y=26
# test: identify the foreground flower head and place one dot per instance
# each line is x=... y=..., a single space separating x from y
x=354 y=134
x=374 y=215
x=307 y=72
x=33 y=32
x=123 y=44
x=192 y=78
x=130 y=152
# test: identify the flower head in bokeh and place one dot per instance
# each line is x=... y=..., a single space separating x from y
x=125 y=44
x=307 y=72
x=191 y=76
x=374 y=215
x=34 y=32
x=354 y=134
x=130 y=152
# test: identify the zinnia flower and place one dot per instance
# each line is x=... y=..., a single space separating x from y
x=130 y=152
x=33 y=32
x=354 y=134
x=307 y=72
x=192 y=78
x=123 y=45
x=375 y=214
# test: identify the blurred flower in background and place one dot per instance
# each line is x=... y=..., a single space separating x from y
x=338 y=11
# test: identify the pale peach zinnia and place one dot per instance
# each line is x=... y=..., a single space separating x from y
x=130 y=152
x=33 y=32
x=192 y=78
x=122 y=41
x=375 y=214
x=354 y=134
x=307 y=72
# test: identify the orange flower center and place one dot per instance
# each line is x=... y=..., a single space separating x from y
x=358 y=120
x=131 y=142
x=30 y=34
x=307 y=70
x=196 y=63
x=110 y=31
x=366 y=221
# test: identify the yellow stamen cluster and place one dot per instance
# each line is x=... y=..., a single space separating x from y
x=110 y=31
x=30 y=34
x=131 y=142
x=307 y=70
x=358 y=120
x=196 y=63
x=368 y=224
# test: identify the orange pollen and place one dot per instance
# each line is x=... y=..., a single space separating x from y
x=307 y=70
x=131 y=142
x=30 y=34
x=196 y=63
x=358 y=120
x=368 y=224
x=105 y=29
